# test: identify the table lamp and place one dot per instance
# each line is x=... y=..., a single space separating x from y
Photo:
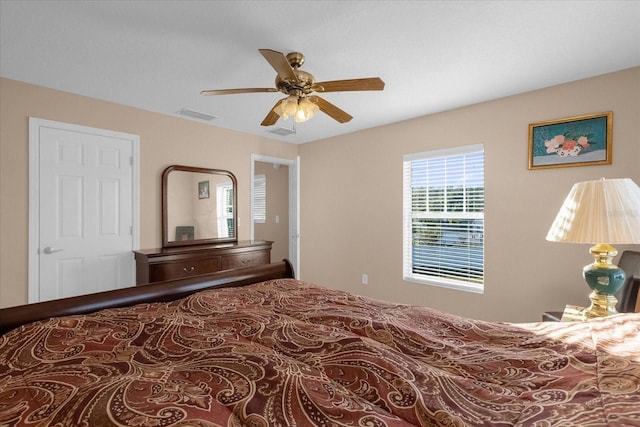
x=600 y=212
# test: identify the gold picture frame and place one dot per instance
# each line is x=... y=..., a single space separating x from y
x=574 y=141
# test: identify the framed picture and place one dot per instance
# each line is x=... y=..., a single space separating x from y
x=574 y=141
x=203 y=190
x=184 y=232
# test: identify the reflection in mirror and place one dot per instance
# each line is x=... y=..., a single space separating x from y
x=199 y=206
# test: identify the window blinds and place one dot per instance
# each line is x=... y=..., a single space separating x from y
x=443 y=194
x=260 y=199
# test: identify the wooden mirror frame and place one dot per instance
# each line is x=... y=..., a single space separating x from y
x=165 y=206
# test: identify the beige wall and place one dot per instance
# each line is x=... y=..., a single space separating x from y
x=164 y=140
x=277 y=205
x=351 y=200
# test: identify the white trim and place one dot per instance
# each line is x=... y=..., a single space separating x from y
x=33 y=273
x=444 y=152
x=408 y=215
x=447 y=284
x=294 y=212
x=294 y=203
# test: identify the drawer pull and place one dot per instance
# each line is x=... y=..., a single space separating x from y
x=189 y=270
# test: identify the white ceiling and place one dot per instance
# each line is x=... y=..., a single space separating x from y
x=432 y=55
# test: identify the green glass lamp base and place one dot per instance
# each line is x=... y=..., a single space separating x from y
x=605 y=280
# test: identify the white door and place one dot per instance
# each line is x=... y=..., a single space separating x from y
x=82 y=210
x=294 y=204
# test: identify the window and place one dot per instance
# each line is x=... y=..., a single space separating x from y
x=224 y=204
x=443 y=211
x=260 y=199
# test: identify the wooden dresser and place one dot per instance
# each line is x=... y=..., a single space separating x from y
x=154 y=265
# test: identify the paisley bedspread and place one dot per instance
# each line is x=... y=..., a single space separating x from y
x=289 y=353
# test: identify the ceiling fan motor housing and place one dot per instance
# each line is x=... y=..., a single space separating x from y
x=303 y=84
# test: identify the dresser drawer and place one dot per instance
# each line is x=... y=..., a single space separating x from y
x=245 y=259
x=181 y=269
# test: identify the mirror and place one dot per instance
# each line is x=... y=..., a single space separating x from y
x=198 y=206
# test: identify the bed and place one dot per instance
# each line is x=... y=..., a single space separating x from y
x=255 y=347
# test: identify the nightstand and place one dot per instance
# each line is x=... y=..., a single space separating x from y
x=551 y=316
x=571 y=313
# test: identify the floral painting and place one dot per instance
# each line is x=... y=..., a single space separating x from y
x=575 y=141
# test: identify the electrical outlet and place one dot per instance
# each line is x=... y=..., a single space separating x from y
x=365 y=278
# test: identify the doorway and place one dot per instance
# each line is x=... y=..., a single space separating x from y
x=280 y=214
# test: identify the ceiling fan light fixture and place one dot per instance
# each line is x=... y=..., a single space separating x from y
x=306 y=110
x=301 y=108
x=288 y=107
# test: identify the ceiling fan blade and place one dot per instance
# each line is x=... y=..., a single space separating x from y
x=279 y=63
x=372 y=83
x=330 y=109
x=271 y=117
x=234 y=91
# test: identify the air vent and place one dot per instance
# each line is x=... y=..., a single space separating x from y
x=282 y=131
x=196 y=115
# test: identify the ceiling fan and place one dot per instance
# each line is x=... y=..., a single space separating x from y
x=299 y=85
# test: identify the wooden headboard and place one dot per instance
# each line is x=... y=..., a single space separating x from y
x=12 y=317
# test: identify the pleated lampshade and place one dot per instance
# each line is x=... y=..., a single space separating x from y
x=602 y=211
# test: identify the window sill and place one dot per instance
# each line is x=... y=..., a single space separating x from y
x=448 y=284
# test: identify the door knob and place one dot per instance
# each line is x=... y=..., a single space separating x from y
x=49 y=250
